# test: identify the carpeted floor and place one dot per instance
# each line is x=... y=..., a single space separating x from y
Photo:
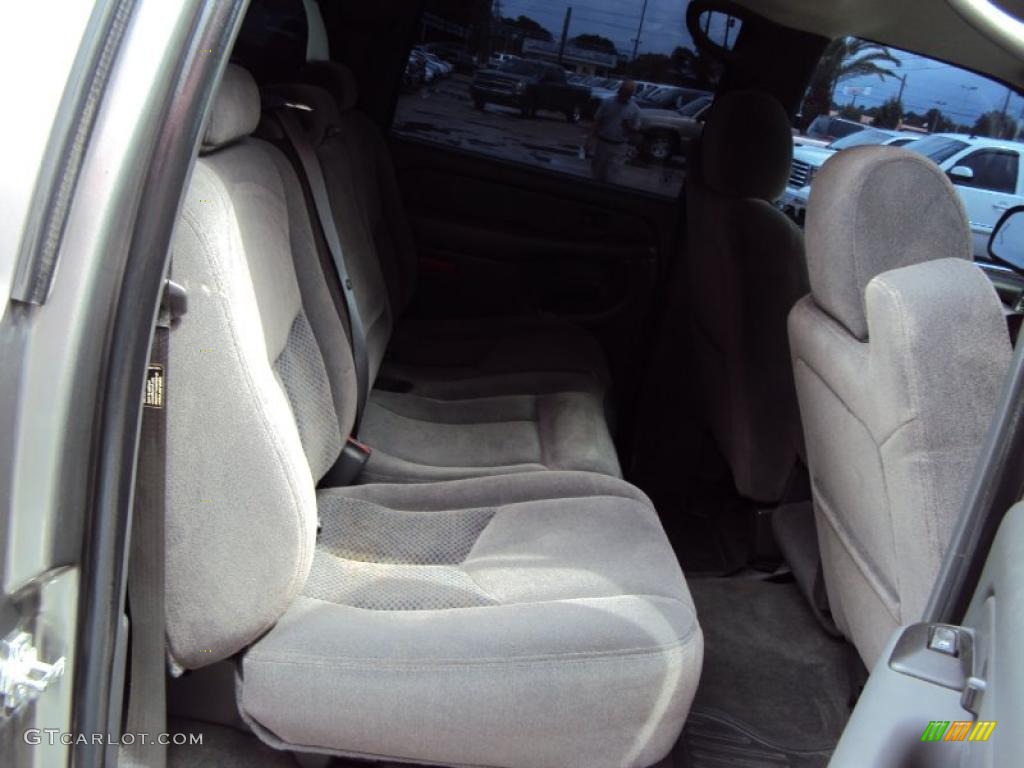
x=775 y=688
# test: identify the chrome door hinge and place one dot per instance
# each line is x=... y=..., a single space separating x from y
x=22 y=675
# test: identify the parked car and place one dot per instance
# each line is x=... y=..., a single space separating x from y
x=415 y=73
x=430 y=71
x=601 y=88
x=439 y=66
x=986 y=173
x=832 y=128
x=665 y=133
x=460 y=58
x=808 y=159
x=530 y=86
x=497 y=59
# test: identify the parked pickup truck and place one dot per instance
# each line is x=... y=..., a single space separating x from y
x=988 y=174
x=665 y=133
x=530 y=86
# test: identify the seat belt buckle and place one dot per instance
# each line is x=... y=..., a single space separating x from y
x=349 y=466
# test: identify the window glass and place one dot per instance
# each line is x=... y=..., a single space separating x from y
x=994 y=170
x=938 y=149
x=865 y=93
x=860 y=138
x=539 y=83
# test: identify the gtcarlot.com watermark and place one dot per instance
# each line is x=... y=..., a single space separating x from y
x=54 y=736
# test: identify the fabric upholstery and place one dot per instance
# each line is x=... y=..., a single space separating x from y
x=893 y=428
x=474 y=401
x=336 y=79
x=537 y=619
x=256 y=350
x=490 y=623
x=747 y=146
x=243 y=304
x=864 y=218
x=222 y=747
x=236 y=110
x=746 y=270
x=418 y=438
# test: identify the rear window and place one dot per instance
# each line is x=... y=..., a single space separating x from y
x=839 y=129
x=938 y=149
x=503 y=94
x=861 y=138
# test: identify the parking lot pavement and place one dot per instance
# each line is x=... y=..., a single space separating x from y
x=443 y=113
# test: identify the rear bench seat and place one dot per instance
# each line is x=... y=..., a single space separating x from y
x=531 y=619
x=458 y=419
x=446 y=399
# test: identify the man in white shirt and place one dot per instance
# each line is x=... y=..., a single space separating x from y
x=616 y=118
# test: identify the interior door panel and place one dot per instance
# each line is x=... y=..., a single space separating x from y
x=892 y=724
x=494 y=238
x=486 y=244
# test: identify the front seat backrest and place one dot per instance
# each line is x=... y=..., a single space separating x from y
x=899 y=355
x=250 y=358
x=746 y=270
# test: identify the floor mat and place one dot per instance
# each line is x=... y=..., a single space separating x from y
x=775 y=688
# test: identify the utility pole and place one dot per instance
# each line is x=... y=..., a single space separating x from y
x=903 y=84
x=938 y=113
x=1006 y=106
x=565 y=34
x=640 y=29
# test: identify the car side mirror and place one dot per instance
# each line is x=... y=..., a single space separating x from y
x=961 y=173
x=1007 y=242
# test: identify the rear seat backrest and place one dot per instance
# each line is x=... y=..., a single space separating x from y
x=350 y=188
x=360 y=152
x=246 y=361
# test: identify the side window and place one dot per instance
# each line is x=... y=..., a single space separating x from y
x=994 y=170
x=882 y=95
x=521 y=81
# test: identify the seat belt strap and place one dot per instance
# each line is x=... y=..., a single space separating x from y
x=147 y=710
x=318 y=189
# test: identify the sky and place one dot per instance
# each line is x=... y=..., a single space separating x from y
x=965 y=94
x=664 y=23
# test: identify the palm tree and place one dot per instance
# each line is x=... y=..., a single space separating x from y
x=844 y=59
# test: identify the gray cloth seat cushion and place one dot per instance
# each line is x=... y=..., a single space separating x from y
x=527 y=620
x=417 y=438
x=454 y=398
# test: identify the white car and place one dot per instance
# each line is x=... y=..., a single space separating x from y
x=443 y=67
x=986 y=173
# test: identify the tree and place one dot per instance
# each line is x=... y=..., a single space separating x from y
x=655 y=67
x=527 y=27
x=996 y=125
x=936 y=122
x=889 y=114
x=850 y=112
x=843 y=60
x=595 y=43
x=695 y=69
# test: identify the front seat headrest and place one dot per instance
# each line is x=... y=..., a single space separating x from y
x=873 y=209
x=236 y=109
x=747 y=146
